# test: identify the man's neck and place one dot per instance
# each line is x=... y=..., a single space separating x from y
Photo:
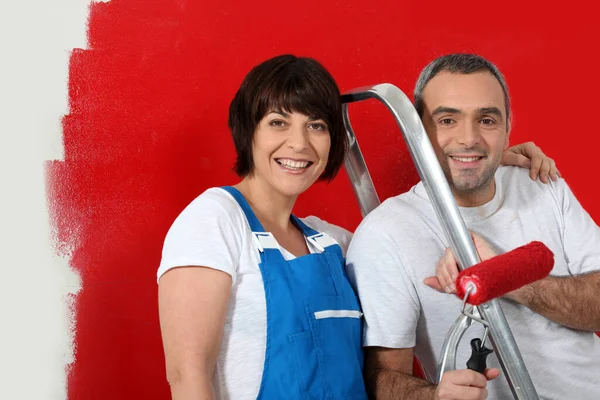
x=476 y=197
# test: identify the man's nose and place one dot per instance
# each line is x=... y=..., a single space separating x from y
x=469 y=135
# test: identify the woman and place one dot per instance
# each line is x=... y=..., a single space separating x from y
x=254 y=302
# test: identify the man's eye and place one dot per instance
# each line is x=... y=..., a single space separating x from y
x=488 y=121
x=446 y=121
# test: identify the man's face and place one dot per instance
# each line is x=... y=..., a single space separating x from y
x=465 y=118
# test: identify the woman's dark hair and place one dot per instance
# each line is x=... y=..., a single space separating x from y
x=292 y=84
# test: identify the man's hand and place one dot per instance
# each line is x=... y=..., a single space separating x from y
x=446 y=270
x=465 y=385
x=528 y=155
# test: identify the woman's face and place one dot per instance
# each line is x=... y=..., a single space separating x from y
x=290 y=151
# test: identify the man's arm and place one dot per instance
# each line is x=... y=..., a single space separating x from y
x=388 y=376
x=572 y=301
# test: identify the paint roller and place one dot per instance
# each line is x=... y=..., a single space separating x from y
x=496 y=277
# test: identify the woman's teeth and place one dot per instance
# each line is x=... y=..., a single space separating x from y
x=291 y=164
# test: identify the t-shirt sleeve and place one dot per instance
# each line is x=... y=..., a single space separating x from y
x=207 y=233
x=337 y=233
x=387 y=294
x=581 y=235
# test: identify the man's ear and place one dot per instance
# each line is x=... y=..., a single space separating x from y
x=508 y=128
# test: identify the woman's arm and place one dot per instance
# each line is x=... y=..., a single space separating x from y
x=528 y=155
x=193 y=303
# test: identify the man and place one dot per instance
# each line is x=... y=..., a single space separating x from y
x=464 y=104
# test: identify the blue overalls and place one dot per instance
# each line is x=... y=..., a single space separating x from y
x=314 y=326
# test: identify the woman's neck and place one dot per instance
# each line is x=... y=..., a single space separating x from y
x=272 y=208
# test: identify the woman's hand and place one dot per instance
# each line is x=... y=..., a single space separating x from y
x=528 y=155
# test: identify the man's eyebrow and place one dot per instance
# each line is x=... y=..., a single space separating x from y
x=491 y=110
x=483 y=110
x=445 y=110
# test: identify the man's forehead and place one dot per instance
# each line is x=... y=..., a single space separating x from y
x=463 y=91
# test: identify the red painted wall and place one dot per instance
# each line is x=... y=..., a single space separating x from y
x=146 y=131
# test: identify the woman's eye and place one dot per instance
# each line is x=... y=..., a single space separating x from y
x=318 y=126
x=277 y=123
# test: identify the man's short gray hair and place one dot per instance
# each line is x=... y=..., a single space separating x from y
x=461 y=64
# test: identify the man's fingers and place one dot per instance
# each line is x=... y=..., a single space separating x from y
x=451 y=265
x=434 y=283
x=463 y=384
x=483 y=248
x=447 y=272
x=466 y=377
x=492 y=373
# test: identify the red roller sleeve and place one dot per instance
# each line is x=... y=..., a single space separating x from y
x=504 y=273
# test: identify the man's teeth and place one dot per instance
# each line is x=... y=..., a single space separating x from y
x=465 y=159
x=293 y=164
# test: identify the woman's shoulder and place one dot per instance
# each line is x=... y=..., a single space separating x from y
x=208 y=232
x=214 y=204
x=213 y=210
x=214 y=198
x=340 y=235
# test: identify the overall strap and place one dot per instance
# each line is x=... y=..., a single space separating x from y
x=262 y=240
x=320 y=240
x=255 y=225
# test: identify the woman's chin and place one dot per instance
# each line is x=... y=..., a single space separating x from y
x=292 y=189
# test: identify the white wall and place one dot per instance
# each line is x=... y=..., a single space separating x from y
x=35 y=345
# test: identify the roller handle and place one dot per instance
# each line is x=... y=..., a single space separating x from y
x=479 y=354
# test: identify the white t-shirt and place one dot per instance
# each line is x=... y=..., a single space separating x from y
x=213 y=232
x=399 y=243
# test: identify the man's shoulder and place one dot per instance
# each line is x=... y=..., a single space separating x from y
x=406 y=209
x=515 y=179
